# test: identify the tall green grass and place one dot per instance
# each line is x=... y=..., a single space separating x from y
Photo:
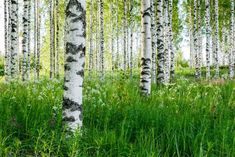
x=182 y=119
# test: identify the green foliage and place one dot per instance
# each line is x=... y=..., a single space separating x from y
x=181 y=63
x=183 y=119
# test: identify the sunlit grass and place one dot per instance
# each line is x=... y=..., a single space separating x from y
x=186 y=118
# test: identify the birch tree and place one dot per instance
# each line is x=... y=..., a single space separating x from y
x=57 y=39
x=171 y=49
x=91 y=39
x=14 y=38
x=29 y=41
x=132 y=40
x=6 y=36
x=154 y=40
x=74 y=62
x=166 y=43
x=145 y=77
x=199 y=36
x=117 y=36
x=216 y=55
x=208 y=37
x=125 y=35
x=101 y=3
x=52 y=42
x=97 y=39
x=112 y=35
x=38 y=21
x=160 y=43
x=35 y=39
x=197 y=74
x=231 y=56
x=25 y=39
x=191 y=38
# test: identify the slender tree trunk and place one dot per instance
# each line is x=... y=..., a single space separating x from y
x=25 y=40
x=91 y=39
x=57 y=40
x=132 y=40
x=199 y=35
x=131 y=53
x=38 y=40
x=117 y=39
x=14 y=38
x=227 y=46
x=102 y=38
x=29 y=41
x=97 y=39
x=51 y=39
x=145 y=77
x=197 y=74
x=223 y=44
x=154 y=40
x=127 y=46
x=74 y=62
x=35 y=39
x=231 y=56
x=112 y=37
x=208 y=41
x=192 y=53
x=166 y=43
x=125 y=36
x=216 y=55
x=191 y=49
x=160 y=43
x=6 y=36
x=171 y=49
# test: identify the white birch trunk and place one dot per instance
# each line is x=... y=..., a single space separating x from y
x=216 y=55
x=160 y=43
x=166 y=44
x=57 y=40
x=91 y=39
x=145 y=77
x=38 y=20
x=14 y=38
x=6 y=36
x=197 y=74
x=25 y=40
x=125 y=36
x=52 y=39
x=154 y=41
x=117 y=37
x=231 y=56
x=102 y=39
x=171 y=49
x=208 y=41
x=29 y=41
x=199 y=44
x=74 y=62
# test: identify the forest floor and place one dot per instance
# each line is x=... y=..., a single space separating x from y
x=186 y=118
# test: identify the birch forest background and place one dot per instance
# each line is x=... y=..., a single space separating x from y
x=117 y=78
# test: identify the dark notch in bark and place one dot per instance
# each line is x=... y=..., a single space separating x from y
x=67 y=67
x=80 y=73
x=74 y=49
x=73 y=106
x=69 y=119
x=71 y=59
x=65 y=88
x=145 y=61
x=147 y=12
